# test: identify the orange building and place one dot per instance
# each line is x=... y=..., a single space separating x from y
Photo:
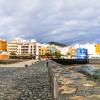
x=3 y=50
x=45 y=50
x=72 y=52
x=98 y=48
x=3 y=45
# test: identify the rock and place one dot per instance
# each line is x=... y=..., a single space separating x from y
x=26 y=65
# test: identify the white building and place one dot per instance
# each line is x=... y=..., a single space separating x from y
x=89 y=46
x=26 y=47
x=91 y=49
x=13 y=45
x=22 y=47
x=38 y=50
x=64 y=51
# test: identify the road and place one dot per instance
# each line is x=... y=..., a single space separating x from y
x=25 y=83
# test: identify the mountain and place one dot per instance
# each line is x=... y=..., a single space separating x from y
x=56 y=43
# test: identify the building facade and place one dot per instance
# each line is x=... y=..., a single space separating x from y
x=98 y=49
x=22 y=47
x=65 y=52
x=25 y=48
x=45 y=49
x=3 y=45
x=4 y=55
x=82 y=53
x=91 y=48
x=54 y=48
x=72 y=52
x=13 y=46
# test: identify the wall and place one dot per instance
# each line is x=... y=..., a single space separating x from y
x=70 y=61
x=4 y=57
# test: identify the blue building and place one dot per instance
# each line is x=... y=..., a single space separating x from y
x=82 y=53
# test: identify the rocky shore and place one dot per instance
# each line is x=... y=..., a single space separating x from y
x=25 y=83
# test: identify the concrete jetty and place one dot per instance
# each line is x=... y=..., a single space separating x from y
x=69 y=84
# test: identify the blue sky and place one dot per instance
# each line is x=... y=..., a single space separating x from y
x=66 y=21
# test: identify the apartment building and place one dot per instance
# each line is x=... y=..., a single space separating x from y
x=98 y=49
x=3 y=45
x=73 y=52
x=54 y=48
x=26 y=47
x=65 y=52
x=45 y=49
x=22 y=47
x=3 y=49
x=13 y=45
x=38 y=50
x=91 y=49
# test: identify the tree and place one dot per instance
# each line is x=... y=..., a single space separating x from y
x=30 y=56
x=68 y=54
x=12 y=53
x=48 y=54
x=57 y=54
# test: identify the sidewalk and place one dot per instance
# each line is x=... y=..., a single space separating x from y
x=19 y=64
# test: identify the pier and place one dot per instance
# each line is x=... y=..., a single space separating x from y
x=55 y=79
x=67 y=83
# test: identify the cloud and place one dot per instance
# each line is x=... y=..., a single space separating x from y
x=58 y=20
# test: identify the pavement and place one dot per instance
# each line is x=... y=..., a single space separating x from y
x=19 y=64
x=25 y=83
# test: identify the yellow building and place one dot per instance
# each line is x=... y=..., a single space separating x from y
x=3 y=45
x=45 y=49
x=98 y=48
x=72 y=52
x=49 y=51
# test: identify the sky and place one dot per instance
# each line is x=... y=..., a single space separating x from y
x=65 y=21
